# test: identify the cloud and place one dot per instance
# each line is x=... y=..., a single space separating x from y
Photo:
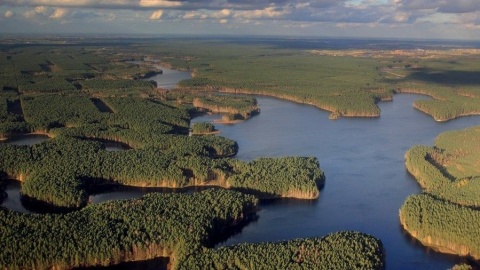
x=8 y=14
x=443 y=6
x=195 y=15
x=41 y=10
x=221 y=14
x=29 y=14
x=59 y=13
x=369 y=14
x=113 y=4
x=325 y=3
x=159 y=3
x=156 y=15
x=269 y=12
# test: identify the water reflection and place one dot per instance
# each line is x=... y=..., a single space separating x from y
x=363 y=160
x=169 y=78
x=26 y=139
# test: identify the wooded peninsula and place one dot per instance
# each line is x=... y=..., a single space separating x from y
x=85 y=93
x=446 y=215
x=82 y=95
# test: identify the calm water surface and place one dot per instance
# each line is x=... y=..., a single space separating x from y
x=26 y=139
x=363 y=160
x=169 y=78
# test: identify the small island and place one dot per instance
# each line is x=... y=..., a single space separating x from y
x=203 y=129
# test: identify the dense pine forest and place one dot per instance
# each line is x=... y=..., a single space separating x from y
x=447 y=214
x=84 y=94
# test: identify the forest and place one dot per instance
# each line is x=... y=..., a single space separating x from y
x=169 y=225
x=345 y=82
x=86 y=94
x=62 y=170
x=450 y=178
x=342 y=250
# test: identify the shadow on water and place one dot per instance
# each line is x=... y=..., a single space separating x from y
x=432 y=253
x=26 y=139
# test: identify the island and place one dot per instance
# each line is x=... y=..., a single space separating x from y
x=86 y=95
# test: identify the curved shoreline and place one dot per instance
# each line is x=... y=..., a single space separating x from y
x=432 y=217
x=438 y=245
x=298 y=100
x=11 y=136
x=420 y=92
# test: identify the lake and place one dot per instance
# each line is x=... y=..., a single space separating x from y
x=26 y=139
x=363 y=160
x=169 y=78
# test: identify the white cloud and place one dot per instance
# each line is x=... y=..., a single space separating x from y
x=269 y=12
x=59 y=13
x=125 y=4
x=8 y=14
x=29 y=14
x=221 y=14
x=41 y=10
x=159 y=3
x=195 y=15
x=156 y=15
x=401 y=17
x=345 y=14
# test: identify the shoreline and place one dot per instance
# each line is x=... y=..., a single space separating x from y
x=437 y=244
x=49 y=135
x=420 y=92
x=298 y=100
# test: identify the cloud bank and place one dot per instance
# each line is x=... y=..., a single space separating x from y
x=309 y=17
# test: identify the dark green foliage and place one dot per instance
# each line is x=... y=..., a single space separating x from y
x=285 y=177
x=343 y=250
x=56 y=187
x=108 y=233
x=442 y=224
x=117 y=85
x=49 y=111
x=58 y=171
x=447 y=216
x=241 y=107
x=423 y=163
x=10 y=122
x=203 y=128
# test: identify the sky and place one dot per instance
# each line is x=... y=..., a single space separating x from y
x=417 y=19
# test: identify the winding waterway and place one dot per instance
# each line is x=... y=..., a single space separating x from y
x=363 y=160
x=169 y=78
